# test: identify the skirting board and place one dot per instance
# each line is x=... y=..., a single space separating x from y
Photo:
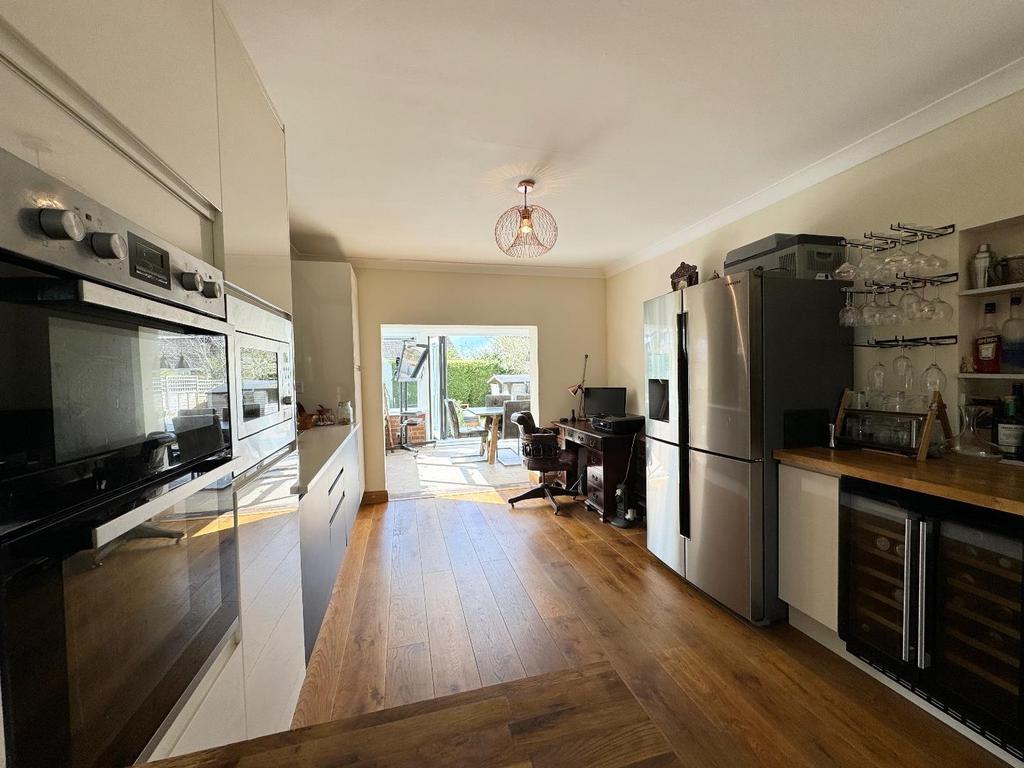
x=375 y=497
x=822 y=634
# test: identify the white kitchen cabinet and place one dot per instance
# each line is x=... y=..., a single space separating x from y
x=150 y=66
x=809 y=543
x=254 y=248
x=326 y=333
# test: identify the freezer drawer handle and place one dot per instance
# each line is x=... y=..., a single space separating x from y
x=907 y=532
x=922 y=588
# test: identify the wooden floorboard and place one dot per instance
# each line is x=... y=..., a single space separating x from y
x=578 y=718
x=448 y=595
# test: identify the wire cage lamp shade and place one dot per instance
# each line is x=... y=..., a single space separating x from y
x=526 y=231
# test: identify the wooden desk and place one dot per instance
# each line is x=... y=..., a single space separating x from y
x=492 y=415
x=603 y=458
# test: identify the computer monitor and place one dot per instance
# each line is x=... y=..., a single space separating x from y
x=604 y=401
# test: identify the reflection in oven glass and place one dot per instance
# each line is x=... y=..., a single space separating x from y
x=142 y=613
x=260 y=385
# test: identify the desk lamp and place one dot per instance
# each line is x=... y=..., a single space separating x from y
x=577 y=389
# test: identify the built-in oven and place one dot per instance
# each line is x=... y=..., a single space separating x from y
x=118 y=555
x=262 y=378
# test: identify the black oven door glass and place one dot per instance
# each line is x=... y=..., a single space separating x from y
x=95 y=401
x=101 y=642
x=260 y=383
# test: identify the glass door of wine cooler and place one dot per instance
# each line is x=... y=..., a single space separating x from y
x=877 y=578
x=976 y=656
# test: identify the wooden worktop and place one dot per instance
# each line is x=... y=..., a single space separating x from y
x=984 y=483
x=577 y=717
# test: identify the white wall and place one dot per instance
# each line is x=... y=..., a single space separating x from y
x=569 y=314
x=968 y=172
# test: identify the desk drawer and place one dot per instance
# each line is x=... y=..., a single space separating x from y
x=595 y=458
x=595 y=478
x=595 y=497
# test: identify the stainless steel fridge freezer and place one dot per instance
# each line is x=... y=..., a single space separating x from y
x=756 y=346
x=663 y=418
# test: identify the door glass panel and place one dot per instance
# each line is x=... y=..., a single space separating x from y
x=260 y=384
x=978 y=618
x=874 y=576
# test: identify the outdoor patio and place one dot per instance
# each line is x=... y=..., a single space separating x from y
x=451 y=467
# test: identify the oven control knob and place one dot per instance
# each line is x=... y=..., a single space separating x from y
x=108 y=245
x=212 y=290
x=62 y=224
x=192 y=281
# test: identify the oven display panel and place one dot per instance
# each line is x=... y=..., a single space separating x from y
x=148 y=262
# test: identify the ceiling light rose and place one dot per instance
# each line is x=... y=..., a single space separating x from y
x=526 y=231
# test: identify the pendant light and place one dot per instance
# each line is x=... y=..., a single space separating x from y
x=526 y=231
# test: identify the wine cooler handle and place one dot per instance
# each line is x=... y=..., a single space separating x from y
x=907 y=534
x=922 y=591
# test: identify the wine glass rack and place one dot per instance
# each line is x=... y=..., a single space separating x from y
x=900 y=233
x=914 y=341
x=903 y=282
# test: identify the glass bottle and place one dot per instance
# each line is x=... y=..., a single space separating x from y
x=1010 y=430
x=987 y=343
x=1012 y=358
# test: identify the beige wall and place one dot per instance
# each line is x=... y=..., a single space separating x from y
x=569 y=314
x=968 y=172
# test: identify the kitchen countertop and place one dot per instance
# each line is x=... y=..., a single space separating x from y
x=316 y=446
x=986 y=484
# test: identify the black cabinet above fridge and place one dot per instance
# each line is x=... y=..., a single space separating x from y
x=931 y=593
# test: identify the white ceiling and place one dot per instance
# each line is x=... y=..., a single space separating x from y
x=409 y=123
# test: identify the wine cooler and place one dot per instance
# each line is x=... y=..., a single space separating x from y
x=931 y=594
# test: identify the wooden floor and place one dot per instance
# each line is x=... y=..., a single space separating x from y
x=443 y=595
x=576 y=717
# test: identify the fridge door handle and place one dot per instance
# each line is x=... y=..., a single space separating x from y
x=922 y=592
x=908 y=529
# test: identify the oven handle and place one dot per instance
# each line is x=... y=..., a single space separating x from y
x=122 y=301
x=106 y=533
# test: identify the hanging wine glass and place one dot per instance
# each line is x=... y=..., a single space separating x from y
x=869 y=265
x=903 y=371
x=941 y=310
x=934 y=378
x=934 y=264
x=849 y=316
x=890 y=313
x=925 y=308
x=899 y=259
x=847 y=270
x=910 y=303
x=918 y=266
x=870 y=312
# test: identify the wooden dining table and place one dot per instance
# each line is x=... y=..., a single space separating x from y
x=492 y=416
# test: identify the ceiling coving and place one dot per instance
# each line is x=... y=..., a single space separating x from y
x=526 y=231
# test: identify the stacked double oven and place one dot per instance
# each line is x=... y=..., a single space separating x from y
x=118 y=550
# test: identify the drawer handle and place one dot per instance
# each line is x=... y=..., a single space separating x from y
x=331 y=489
x=337 y=509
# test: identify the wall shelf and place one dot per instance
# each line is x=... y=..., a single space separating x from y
x=994 y=290
x=993 y=376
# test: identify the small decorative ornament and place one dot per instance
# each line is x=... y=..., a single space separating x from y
x=526 y=231
x=685 y=275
